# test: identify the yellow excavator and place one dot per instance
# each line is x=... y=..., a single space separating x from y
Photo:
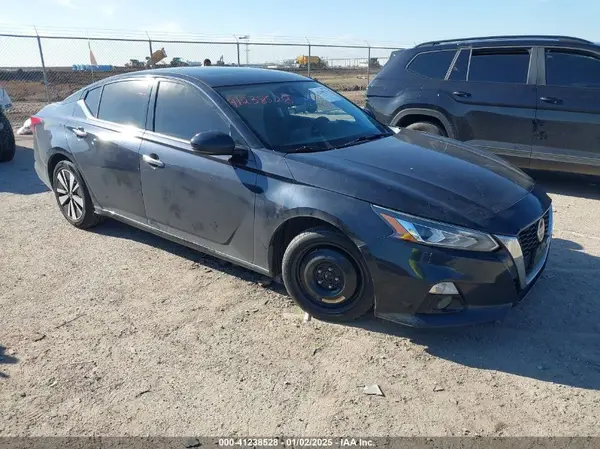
x=156 y=57
x=315 y=62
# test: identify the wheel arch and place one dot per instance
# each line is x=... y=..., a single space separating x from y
x=57 y=155
x=406 y=116
x=295 y=222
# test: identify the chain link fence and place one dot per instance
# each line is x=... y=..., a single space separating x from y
x=39 y=68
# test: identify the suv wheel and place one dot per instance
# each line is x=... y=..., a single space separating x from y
x=325 y=275
x=428 y=128
x=7 y=140
x=72 y=196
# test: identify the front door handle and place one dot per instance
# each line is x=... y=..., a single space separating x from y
x=462 y=94
x=79 y=132
x=152 y=159
x=551 y=100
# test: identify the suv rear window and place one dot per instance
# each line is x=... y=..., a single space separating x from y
x=433 y=64
x=572 y=69
x=499 y=66
x=125 y=102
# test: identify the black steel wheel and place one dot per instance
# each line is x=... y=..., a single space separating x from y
x=72 y=196
x=324 y=273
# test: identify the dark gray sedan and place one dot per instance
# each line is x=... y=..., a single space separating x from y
x=276 y=172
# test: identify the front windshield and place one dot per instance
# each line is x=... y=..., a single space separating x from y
x=301 y=116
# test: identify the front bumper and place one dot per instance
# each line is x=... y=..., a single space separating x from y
x=489 y=284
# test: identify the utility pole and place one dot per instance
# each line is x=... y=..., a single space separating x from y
x=244 y=38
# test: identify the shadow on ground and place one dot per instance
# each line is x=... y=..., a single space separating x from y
x=5 y=359
x=117 y=229
x=18 y=176
x=568 y=184
x=554 y=335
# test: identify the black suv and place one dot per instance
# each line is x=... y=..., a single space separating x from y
x=7 y=139
x=534 y=100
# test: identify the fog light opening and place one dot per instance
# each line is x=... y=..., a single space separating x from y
x=443 y=302
x=443 y=297
x=444 y=288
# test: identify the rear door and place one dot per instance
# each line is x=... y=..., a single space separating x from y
x=568 y=116
x=104 y=136
x=493 y=98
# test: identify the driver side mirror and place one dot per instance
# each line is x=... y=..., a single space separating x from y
x=214 y=143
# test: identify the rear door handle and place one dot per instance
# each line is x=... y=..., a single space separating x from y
x=460 y=93
x=551 y=100
x=152 y=159
x=79 y=132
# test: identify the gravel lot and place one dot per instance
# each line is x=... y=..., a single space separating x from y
x=116 y=332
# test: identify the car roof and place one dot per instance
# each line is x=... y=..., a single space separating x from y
x=219 y=76
x=508 y=40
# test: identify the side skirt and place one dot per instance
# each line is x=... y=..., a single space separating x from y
x=180 y=241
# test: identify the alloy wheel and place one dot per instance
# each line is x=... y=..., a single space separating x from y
x=69 y=194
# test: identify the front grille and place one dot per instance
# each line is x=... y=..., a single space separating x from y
x=530 y=243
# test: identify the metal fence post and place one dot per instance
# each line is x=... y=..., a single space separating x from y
x=368 y=63
x=39 y=41
x=149 y=44
x=309 y=54
x=238 y=52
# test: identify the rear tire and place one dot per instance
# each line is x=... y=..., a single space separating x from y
x=7 y=140
x=72 y=196
x=427 y=128
x=326 y=276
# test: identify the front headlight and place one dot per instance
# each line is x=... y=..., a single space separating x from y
x=421 y=230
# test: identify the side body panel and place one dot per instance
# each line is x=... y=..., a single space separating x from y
x=108 y=158
x=50 y=138
x=567 y=135
x=208 y=200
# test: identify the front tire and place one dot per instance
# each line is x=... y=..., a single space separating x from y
x=325 y=275
x=72 y=196
x=7 y=140
x=427 y=128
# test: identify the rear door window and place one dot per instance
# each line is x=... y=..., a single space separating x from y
x=568 y=68
x=500 y=65
x=433 y=64
x=92 y=100
x=182 y=111
x=125 y=102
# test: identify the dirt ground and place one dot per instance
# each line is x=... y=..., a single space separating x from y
x=116 y=332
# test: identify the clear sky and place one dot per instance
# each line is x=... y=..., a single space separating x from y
x=379 y=20
x=401 y=22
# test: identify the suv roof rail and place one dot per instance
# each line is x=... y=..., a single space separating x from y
x=520 y=36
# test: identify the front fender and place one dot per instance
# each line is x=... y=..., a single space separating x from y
x=282 y=201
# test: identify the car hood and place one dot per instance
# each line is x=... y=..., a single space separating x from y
x=419 y=174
